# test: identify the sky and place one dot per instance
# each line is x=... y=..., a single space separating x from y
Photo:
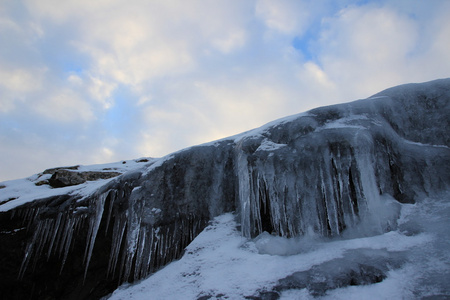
x=88 y=82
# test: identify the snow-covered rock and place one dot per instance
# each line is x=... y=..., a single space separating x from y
x=339 y=171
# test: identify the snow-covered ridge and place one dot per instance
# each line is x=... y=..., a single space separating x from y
x=14 y=193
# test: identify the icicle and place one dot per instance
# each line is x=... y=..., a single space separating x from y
x=244 y=193
x=370 y=191
x=147 y=268
x=139 y=253
x=55 y=233
x=94 y=224
x=133 y=235
x=132 y=241
x=337 y=191
x=29 y=251
x=113 y=195
x=67 y=243
x=117 y=238
x=42 y=235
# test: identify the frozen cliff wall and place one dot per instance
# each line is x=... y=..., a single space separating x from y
x=334 y=170
x=336 y=166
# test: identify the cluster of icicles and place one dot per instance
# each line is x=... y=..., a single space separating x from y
x=137 y=249
x=336 y=193
x=285 y=198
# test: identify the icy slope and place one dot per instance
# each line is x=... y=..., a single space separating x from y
x=337 y=171
x=221 y=264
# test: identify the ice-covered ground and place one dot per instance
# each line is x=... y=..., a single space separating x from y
x=221 y=264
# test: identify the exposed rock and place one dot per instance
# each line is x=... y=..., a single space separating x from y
x=53 y=170
x=355 y=268
x=332 y=275
x=62 y=178
x=142 y=160
x=67 y=177
x=91 y=176
x=42 y=182
x=7 y=200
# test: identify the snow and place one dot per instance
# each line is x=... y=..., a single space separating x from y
x=222 y=264
x=267 y=145
x=260 y=130
x=159 y=162
x=253 y=133
x=14 y=193
x=345 y=123
x=425 y=145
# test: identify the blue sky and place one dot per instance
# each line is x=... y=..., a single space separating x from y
x=84 y=82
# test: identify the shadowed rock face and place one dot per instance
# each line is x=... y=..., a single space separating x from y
x=331 y=170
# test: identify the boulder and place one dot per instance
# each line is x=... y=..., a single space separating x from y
x=68 y=177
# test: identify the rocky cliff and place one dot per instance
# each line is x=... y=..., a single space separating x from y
x=336 y=170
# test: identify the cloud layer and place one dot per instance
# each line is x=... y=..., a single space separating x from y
x=87 y=82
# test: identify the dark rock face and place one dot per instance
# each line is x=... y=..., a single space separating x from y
x=330 y=170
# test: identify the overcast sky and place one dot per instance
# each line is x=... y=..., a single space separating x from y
x=95 y=81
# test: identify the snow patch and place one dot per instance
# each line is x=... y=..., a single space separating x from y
x=268 y=145
x=346 y=122
x=20 y=191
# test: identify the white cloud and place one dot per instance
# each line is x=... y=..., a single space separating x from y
x=233 y=40
x=212 y=108
x=369 y=45
x=434 y=60
x=64 y=106
x=20 y=76
x=21 y=80
x=6 y=24
x=317 y=75
x=133 y=42
x=139 y=78
x=287 y=17
x=18 y=84
x=101 y=90
x=372 y=47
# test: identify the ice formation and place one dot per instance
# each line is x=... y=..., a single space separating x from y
x=337 y=170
